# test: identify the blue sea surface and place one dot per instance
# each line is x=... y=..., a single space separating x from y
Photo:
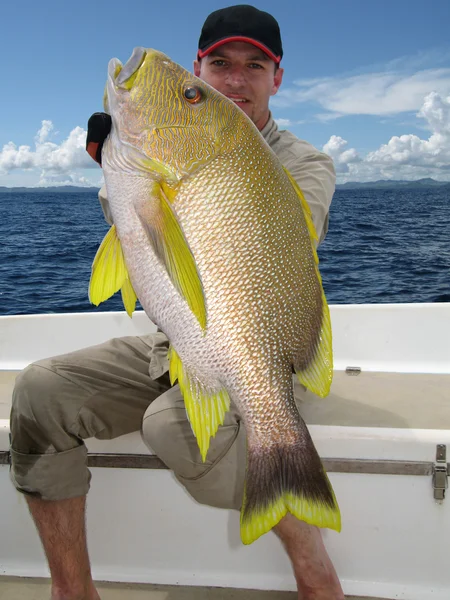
x=382 y=246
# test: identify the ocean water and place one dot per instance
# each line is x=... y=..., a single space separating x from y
x=383 y=246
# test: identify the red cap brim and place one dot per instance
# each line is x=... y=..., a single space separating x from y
x=238 y=38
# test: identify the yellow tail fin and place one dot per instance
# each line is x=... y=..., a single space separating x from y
x=282 y=479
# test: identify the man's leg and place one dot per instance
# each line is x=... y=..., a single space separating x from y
x=220 y=482
x=61 y=527
x=314 y=572
x=98 y=392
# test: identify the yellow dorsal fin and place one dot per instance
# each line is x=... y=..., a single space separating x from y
x=206 y=411
x=317 y=377
x=174 y=251
x=109 y=273
x=307 y=212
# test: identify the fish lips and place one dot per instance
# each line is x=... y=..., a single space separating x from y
x=119 y=76
x=129 y=69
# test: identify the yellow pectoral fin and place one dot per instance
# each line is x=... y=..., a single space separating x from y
x=177 y=256
x=109 y=273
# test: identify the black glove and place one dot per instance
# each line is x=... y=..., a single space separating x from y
x=99 y=126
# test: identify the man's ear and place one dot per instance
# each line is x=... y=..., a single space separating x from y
x=197 y=68
x=277 y=79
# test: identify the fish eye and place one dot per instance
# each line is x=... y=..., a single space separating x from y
x=193 y=94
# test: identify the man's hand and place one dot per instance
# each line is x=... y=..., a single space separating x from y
x=99 y=126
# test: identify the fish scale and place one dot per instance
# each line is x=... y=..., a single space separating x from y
x=218 y=245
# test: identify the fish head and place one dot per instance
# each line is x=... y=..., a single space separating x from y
x=176 y=122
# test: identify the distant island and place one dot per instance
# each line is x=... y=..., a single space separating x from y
x=62 y=189
x=350 y=185
x=393 y=184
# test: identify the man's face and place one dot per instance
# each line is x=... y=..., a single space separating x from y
x=244 y=74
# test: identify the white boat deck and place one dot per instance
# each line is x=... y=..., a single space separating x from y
x=379 y=433
x=370 y=399
x=39 y=589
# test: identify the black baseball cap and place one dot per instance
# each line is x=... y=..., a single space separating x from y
x=241 y=23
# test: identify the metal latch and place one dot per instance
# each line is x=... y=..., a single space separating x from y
x=353 y=371
x=440 y=472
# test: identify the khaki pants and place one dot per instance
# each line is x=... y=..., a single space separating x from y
x=106 y=391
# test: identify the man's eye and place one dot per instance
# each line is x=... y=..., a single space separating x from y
x=256 y=66
x=219 y=63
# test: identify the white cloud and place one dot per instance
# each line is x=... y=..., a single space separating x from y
x=47 y=156
x=411 y=150
x=325 y=117
x=423 y=58
x=377 y=93
x=342 y=158
x=283 y=122
x=403 y=157
x=49 y=178
x=44 y=132
x=287 y=122
x=436 y=111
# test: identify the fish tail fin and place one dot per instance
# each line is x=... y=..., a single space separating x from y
x=286 y=478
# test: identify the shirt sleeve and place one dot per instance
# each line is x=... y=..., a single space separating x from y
x=316 y=176
x=105 y=205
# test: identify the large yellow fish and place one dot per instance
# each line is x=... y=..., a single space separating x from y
x=216 y=240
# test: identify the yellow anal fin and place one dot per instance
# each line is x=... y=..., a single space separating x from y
x=318 y=375
x=128 y=297
x=206 y=411
x=109 y=273
x=173 y=249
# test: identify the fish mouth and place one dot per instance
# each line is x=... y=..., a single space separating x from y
x=123 y=75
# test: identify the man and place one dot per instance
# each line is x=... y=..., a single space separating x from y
x=123 y=385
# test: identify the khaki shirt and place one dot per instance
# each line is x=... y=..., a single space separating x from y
x=313 y=171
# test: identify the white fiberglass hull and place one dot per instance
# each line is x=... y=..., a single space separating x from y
x=143 y=526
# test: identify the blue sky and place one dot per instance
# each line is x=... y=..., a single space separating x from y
x=367 y=82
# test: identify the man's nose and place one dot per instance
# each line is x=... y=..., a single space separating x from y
x=236 y=76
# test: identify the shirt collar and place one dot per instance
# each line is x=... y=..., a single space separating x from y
x=270 y=129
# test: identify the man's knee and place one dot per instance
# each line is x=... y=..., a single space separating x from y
x=47 y=461
x=219 y=480
x=37 y=411
x=31 y=392
x=166 y=430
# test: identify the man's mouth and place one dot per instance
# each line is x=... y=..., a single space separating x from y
x=237 y=99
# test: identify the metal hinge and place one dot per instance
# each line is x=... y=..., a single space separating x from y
x=440 y=472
